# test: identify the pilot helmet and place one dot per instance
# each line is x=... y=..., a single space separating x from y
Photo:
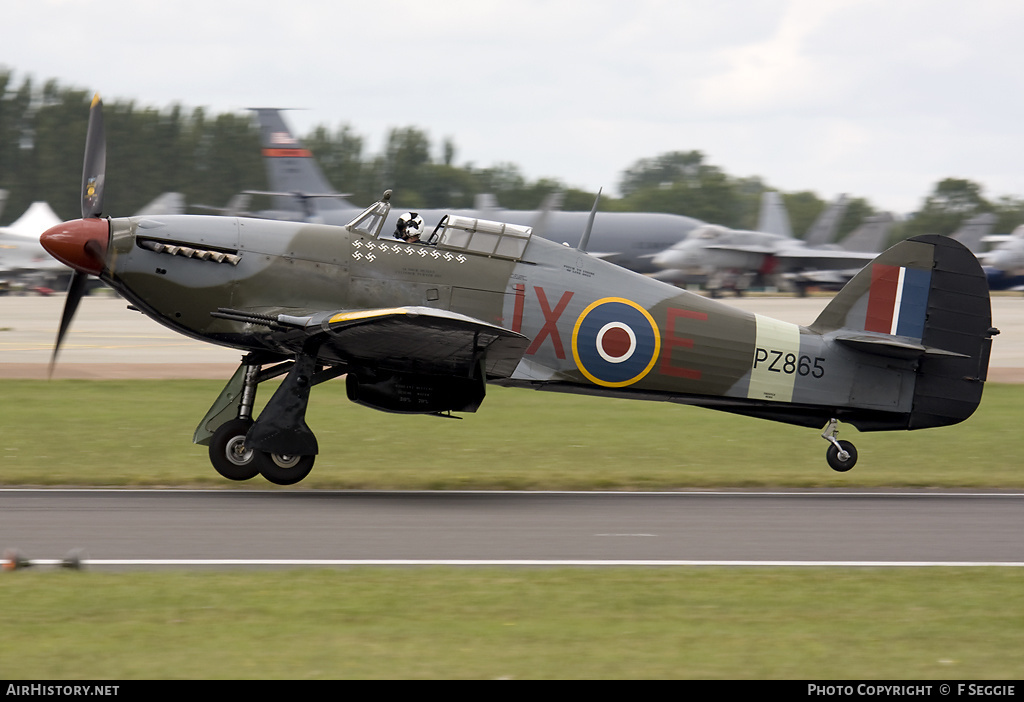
x=409 y=225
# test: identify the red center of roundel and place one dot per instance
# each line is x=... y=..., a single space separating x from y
x=616 y=342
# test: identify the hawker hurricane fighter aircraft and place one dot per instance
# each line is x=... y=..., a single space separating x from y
x=423 y=328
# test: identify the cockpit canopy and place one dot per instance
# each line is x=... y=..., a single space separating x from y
x=482 y=236
x=708 y=232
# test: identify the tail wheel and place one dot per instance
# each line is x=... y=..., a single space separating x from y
x=283 y=469
x=835 y=462
x=228 y=454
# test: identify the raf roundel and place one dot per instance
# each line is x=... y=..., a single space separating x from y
x=615 y=342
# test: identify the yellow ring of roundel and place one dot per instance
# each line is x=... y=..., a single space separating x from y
x=576 y=354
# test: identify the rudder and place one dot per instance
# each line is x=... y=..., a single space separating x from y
x=927 y=299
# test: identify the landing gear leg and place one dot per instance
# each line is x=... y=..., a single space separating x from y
x=285 y=446
x=279 y=445
x=226 y=424
x=228 y=453
x=841 y=455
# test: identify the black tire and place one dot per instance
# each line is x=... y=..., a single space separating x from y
x=833 y=457
x=283 y=470
x=228 y=454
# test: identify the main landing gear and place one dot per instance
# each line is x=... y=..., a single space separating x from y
x=841 y=455
x=228 y=453
x=278 y=445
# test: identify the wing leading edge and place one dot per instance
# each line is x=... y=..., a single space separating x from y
x=412 y=339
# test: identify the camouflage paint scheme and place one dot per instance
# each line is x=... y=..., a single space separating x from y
x=422 y=328
x=663 y=342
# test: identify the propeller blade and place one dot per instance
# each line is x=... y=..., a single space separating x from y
x=94 y=169
x=76 y=290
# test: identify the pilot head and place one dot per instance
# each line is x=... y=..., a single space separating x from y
x=409 y=227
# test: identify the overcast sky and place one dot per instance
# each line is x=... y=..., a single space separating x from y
x=878 y=99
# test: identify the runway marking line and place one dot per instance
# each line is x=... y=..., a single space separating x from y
x=525 y=562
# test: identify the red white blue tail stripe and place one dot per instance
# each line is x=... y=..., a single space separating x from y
x=898 y=300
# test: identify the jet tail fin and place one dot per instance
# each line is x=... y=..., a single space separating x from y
x=773 y=217
x=291 y=167
x=826 y=226
x=927 y=299
x=974 y=230
x=871 y=236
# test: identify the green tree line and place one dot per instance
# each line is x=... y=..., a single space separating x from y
x=209 y=158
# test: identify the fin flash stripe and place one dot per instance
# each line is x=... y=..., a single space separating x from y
x=898 y=300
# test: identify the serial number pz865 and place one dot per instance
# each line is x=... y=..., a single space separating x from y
x=789 y=363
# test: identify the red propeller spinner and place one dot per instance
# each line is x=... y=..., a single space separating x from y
x=80 y=244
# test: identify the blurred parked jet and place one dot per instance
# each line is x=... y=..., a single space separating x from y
x=1004 y=265
x=836 y=269
x=300 y=191
x=732 y=258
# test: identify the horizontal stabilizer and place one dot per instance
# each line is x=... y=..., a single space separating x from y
x=892 y=346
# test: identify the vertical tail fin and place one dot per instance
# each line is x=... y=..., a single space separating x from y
x=871 y=236
x=973 y=230
x=291 y=167
x=773 y=217
x=825 y=227
x=925 y=298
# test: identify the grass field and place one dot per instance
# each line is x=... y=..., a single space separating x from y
x=138 y=433
x=640 y=623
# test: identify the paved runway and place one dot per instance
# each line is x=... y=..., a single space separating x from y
x=107 y=340
x=813 y=527
x=138 y=527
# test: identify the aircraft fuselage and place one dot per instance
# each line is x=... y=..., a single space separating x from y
x=593 y=326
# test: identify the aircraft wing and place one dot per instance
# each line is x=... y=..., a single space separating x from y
x=744 y=248
x=420 y=339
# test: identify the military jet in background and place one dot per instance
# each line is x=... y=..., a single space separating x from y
x=975 y=232
x=831 y=266
x=733 y=258
x=1004 y=264
x=423 y=328
x=300 y=191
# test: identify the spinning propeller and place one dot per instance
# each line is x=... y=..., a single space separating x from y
x=81 y=244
